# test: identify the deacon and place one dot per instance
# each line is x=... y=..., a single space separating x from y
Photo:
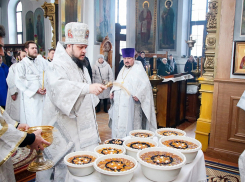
x=29 y=79
x=134 y=108
x=70 y=103
x=11 y=137
x=13 y=97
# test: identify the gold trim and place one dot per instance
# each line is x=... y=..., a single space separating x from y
x=206 y=91
x=1 y=110
x=16 y=124
x=14 y=149
x=49 y=11
x=4 y=125
x=201 y=133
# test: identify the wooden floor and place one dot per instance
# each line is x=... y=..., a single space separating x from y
x=188 y=127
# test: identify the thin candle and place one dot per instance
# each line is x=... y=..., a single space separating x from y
x=150 y=69
x=155 y=62
x=43 y=81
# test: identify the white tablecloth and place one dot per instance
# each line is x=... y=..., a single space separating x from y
x=180 y=78
x=193 y=172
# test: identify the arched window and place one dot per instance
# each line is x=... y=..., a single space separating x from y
x=19 y=23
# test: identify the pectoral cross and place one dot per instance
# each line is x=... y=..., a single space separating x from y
x=122 y=82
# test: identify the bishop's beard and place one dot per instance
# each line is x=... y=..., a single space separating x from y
x=80 y=63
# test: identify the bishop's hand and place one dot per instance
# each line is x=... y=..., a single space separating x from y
x=23 y=127
x=96 y=88
x=39 y=141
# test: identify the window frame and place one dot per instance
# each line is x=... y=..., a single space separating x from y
x=19 y=33
x=199 y=22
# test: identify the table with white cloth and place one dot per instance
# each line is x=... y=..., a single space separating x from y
x=193 y=172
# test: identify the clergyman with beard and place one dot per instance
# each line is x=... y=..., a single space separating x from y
x=134 y=109
x=71 y=100
x=29 y=80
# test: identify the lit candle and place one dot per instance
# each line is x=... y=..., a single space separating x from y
x=146 y=70
x=43 y=81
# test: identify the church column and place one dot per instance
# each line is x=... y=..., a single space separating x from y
x=207 y=80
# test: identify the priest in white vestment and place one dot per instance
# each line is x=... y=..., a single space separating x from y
x=13 y=97
x=29 y=79
x=132 y=108
x=11 y=137
x=70 y=103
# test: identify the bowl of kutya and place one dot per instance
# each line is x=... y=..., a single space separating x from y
x=161 y=164
x=186 y=145
x=133 y=145
x=80 y=163
x=163 y=132
x=115 y=141
x=115 y=167
x=141 y=134
x=107 y=149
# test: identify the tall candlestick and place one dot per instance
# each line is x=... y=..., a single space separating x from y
x=201 y=65
x=43 y=81
x=154 y=62
x=146 y=70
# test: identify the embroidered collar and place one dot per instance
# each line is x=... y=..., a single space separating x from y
x=32 y=59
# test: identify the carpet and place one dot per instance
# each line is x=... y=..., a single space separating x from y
x=217 y=172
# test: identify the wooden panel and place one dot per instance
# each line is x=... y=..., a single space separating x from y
x=162 y=99
x=171 y=103
x=228 y=124
x=236 y=128
x=173 y=107
x=182 y=99
x=192 y=107
x=225 y=39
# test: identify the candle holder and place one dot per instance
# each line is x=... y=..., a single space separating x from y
x=196 y=72
x=155 y=80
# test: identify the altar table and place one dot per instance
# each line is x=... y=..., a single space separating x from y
x=193 y=172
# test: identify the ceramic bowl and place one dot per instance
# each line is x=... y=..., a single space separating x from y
x=190 y=154
x=115 y=141
x=160 y=173
x=171 y=130
x=80 y=170
x=152 y=134
x=110 y=176
x=133 y=152
x=99 y=147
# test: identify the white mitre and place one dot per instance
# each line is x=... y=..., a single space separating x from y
x=76 y=33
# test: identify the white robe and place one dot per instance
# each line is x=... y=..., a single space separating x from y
x=13 y=106
x=28 y=79
x=126 y=114
x=10 y=139
x=70 y=109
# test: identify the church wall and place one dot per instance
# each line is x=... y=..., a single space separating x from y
x=8 y=20
x=182 y=31
x=4 y=18
x=227 y=137
x=93 y=49
x=29 y=5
